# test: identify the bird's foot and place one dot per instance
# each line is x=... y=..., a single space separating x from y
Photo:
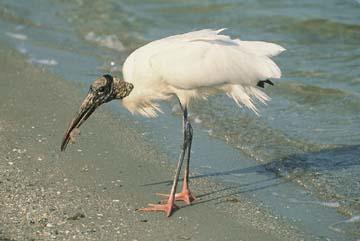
x=169 y=207
x=185 y=195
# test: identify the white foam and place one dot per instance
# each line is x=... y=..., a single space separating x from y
x=350 y=220
x=49 y=62
x=109 y=41
x=330 y=204
x=197 y=120
x=353 y=219
x=326 y=204
x=18 y=36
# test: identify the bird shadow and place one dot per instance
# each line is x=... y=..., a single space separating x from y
x=253 y=169
x=291 y=166
x=346 y=156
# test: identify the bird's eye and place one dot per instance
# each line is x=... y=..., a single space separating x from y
x=101 y=89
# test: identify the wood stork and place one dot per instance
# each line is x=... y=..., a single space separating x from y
x=188 y=66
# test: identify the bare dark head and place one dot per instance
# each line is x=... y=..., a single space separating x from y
x=102 y=90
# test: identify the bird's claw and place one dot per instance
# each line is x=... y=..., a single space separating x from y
x=184 y=196
x=168 y=208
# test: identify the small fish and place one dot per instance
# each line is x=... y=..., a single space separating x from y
x=74 y=133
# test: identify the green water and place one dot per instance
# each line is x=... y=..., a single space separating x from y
x=309 y=134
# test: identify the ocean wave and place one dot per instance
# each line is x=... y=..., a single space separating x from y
x=320 y=168
x=8 y=14
x=49 y=62
x=320 y=30
x=325 y=173
x=108 y=41
x=327 y=99
x=17 y=36
x=350 y=225
x=311 y=90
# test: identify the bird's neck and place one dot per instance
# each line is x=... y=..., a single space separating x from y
x=121 y=88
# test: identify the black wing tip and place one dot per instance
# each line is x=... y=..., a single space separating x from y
x=261 y=83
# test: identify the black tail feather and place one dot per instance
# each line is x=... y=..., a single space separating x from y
x=261 y=83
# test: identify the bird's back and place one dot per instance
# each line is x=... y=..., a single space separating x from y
x=197 y=63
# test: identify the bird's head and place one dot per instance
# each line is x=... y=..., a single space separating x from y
x=102 y=90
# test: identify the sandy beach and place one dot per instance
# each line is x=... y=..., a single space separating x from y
x=92 y=191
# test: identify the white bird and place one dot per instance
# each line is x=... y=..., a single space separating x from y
x=188 y=66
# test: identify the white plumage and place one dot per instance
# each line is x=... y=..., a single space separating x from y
x=195 y=65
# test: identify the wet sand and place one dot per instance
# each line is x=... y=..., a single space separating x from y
x=92 y=191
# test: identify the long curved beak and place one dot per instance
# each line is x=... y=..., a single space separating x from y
x=87 y=107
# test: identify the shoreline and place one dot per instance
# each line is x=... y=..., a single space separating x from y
x=92 y=191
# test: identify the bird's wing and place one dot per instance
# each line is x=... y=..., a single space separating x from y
x=204 y=59
x=255 y=47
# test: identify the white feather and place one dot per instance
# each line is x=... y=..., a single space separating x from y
x=196 y=64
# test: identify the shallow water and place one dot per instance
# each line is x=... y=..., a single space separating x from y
x=308 y=136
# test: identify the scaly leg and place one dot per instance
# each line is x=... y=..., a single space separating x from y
x=185 y=194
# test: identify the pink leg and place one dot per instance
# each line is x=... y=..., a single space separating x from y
x=169 y=207
x=185 y=195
